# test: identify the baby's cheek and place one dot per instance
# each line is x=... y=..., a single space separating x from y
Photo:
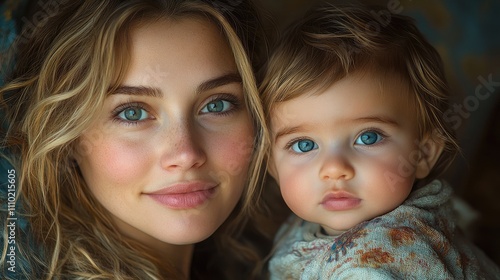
x=292 y=185
x=397 y=174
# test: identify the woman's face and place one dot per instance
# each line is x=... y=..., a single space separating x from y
x=168 y=155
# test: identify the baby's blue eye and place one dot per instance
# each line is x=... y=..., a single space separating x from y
x=133 y=114
x=304 y=146
x=368 y=138
x=217 y=106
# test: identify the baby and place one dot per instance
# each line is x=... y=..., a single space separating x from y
x=358 y=140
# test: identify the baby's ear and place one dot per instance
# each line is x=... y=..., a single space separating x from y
x=430 y=149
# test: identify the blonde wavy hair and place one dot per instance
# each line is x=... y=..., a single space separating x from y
x=331 y=42
x=64 y=72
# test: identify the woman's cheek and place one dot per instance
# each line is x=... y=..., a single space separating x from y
x=233 y=152
x=124 y=163
x=116 y=162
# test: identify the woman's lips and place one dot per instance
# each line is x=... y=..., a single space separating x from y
x=185 y=195
x=340 y=201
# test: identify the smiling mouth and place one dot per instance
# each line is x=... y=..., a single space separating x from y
x=184 y=200
x=185 y=196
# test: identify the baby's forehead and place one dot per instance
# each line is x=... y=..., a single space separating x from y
x=386 y=84
x=350 y=97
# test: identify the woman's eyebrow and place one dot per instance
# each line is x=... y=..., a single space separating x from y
x=138 y=90
x=219 y=81
x=156 y=92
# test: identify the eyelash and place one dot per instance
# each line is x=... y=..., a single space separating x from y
x=235 y=102
x=290 y=143
x=376 y=130
x=125 y=106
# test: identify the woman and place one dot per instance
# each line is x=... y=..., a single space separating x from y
x=139 y=134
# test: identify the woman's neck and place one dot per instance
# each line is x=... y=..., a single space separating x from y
x=173 y=257
x=178 y=256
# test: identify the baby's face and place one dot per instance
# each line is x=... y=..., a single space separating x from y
x=348 y=154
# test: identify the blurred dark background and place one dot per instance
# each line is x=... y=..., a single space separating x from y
x=467 y=35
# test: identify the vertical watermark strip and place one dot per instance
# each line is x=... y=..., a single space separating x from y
x=11 y=220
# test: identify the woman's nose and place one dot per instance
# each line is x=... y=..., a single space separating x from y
x=182 y=148
x=336 y=166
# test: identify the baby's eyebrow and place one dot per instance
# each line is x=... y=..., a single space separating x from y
x=378 y=119
x=286 y=131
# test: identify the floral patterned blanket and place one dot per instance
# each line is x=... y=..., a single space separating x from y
x=417 y=240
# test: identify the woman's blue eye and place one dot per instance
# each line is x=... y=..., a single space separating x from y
x=133 y=114
x=217 y=106
x=369 y=138
x=304 y=146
